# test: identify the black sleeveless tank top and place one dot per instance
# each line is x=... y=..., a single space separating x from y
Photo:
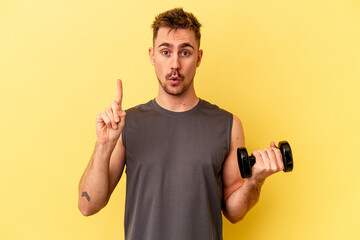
x=174 y=171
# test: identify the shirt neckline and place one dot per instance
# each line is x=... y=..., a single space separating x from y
x=162 y=110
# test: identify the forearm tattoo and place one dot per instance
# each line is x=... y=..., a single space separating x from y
x=85 y=194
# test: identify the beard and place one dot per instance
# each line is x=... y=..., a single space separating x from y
x=179 y=88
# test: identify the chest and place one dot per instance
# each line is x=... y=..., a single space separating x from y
x=176 y=144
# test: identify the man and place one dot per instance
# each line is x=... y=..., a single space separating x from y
x=180 y=151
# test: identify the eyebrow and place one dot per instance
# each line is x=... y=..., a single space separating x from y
x=183 y=45
x=165 y=45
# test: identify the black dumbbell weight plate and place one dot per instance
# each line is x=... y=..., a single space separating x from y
x=244 y=163
x=287 y=156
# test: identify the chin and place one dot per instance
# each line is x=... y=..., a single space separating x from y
x=175 y=91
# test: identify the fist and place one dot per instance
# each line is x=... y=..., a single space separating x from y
x=268 y=162
x=110 y=122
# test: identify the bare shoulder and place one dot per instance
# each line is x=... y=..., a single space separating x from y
x=237 y=133
x=231 y=174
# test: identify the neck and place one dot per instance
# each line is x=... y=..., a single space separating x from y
x=182 y=103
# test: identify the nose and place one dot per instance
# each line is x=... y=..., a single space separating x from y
x=175 y=62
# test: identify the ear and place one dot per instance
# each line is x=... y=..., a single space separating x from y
x=200 y=54
x=151 y=55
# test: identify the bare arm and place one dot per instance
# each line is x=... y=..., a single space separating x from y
x=107 y=162
x=241 y=195
x=101 y=177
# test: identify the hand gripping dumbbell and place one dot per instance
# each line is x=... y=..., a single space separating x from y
x=246 y=162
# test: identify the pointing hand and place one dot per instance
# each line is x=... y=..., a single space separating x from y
x=110 y=122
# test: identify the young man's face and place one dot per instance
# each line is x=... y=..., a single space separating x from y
x=176 y=56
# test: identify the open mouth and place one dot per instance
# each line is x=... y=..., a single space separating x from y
x=174 y=77
x=174 y=80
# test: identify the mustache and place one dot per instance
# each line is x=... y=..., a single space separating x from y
x=174 y=74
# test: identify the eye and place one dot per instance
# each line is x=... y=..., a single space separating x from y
x=165 y=52
x=185 y=53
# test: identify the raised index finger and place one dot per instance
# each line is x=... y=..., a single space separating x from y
x=119 y=92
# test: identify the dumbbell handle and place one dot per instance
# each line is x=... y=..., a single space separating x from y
x=246 y=162
x=288 y=166
x=252 y=160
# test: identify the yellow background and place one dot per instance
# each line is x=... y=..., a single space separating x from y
x=289 y=69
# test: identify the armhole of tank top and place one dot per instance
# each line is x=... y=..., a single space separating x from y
x=123 y=135
x=231 y=118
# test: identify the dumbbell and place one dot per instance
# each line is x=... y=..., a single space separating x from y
x=246 y=162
